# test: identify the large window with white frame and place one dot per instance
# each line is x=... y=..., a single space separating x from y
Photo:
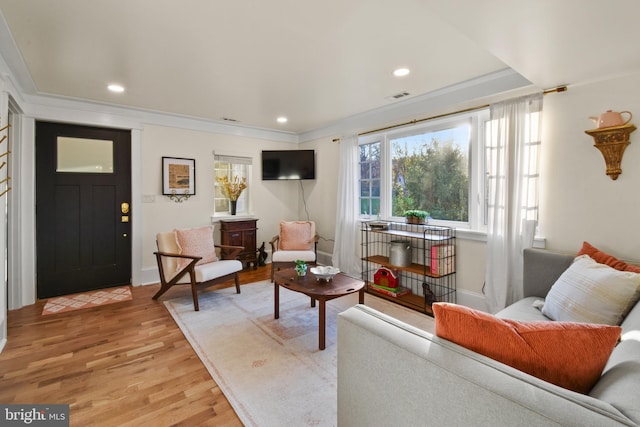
x=437 y=166
x=231 y=167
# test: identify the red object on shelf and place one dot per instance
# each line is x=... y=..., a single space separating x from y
x=386 y=277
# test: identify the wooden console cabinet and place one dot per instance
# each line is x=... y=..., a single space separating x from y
x=241 y=232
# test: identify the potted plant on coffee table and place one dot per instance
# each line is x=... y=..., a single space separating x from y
x=301 y=267
x=416 y=216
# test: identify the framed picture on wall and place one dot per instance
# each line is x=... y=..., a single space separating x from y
x=178 y=176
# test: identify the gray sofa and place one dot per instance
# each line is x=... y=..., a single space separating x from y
x=392 y=374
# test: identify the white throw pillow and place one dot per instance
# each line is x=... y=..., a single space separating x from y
x=593 y=293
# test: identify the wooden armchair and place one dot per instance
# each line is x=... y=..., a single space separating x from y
x=189 y=257
x=297 y=240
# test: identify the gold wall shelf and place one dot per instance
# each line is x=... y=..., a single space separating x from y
x=612 y=141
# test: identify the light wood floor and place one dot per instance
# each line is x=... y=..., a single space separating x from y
x=124 y=364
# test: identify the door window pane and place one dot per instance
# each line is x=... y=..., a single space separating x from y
x=82 y=155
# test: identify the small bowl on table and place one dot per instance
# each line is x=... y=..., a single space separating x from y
x=324 y=273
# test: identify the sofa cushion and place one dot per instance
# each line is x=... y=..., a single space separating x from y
x=524 y=310
x=196 y=242
x=604 y=258
x=631 y=321
x=619 y=386
x=593 y=293
x=567 y=354
x=296 y=235
x=628 y=349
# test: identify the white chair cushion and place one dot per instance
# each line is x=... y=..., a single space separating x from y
x=213 y=270
x=290 y=256
x=167 y=243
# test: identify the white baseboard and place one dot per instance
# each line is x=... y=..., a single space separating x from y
x=471 y=299
x=148 y=276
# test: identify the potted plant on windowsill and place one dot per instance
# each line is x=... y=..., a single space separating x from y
x=416 y=216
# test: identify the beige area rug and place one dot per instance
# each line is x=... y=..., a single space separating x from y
x=86 y=300
x=271 y=371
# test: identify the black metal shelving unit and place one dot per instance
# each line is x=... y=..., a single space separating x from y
x=431 y=275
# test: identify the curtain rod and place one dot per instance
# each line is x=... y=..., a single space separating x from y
x=412 y=122
x=439 y=116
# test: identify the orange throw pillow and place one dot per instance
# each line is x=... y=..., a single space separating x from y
x=604 y=258
x=570 y=355
x=296 y=236
x=196 y=242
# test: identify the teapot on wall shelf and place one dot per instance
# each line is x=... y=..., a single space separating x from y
x=611 y=137
x=610 y=119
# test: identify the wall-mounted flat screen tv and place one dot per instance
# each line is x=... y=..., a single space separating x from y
x=288 y=164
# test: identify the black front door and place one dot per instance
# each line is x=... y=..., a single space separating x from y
x=83 y=196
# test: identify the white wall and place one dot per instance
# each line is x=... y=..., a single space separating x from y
x=271 y=201
x=579 y=202
x=321 y=194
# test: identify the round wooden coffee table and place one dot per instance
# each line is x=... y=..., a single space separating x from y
x=322 y=291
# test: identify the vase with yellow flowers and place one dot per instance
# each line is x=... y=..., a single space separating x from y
x=232 y=189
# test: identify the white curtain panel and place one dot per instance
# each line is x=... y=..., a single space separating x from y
x=345 y=248
x=513 y=177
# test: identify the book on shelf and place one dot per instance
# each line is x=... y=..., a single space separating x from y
x=392 y=292
x=443 y=259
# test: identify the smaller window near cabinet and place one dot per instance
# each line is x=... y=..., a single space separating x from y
x=231 y=166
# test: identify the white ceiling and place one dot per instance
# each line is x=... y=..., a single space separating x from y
x=314 y=62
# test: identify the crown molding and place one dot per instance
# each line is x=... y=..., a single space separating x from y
x=12 y=62
x=447 y=98
x=49 y=107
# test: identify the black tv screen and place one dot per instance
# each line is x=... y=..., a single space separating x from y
x=288 y=164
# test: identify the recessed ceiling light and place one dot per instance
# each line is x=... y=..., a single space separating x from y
x=282 y=119
x=116 y=88
x=401 y=72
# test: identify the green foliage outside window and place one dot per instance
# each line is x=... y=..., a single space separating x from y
x=370 y=179
x=432 y=176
